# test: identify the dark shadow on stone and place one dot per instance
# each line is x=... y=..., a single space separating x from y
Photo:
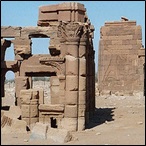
x=6 y=108
x=101 y=115
x=27 y=128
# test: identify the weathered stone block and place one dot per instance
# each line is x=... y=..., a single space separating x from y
x=54 y=91
x=59 y=135
x=33 y=111
x=25 y=111
x=55 y=100
x=71 y=83
x=71 y=97
x=39 y=131
x=81 y=123
x=54 y=81
x=14 y=112
x=19 y=126
x=82 y=51
x=82 y=83
x=64 y=16
x=82 y=66
x=71 y=111
x=41 y=96
x=21 y=83
x=81 y=110
x=48 y=16
x=62 y=85
x=35 y=94
x=25 y=99
x=69 y=124
x=72 y=49
x=55 y=107
x=71 y=65
x=82 y=97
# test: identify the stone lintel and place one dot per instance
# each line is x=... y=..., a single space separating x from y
x=57 y=59
x=51 y=108
x=37 y=31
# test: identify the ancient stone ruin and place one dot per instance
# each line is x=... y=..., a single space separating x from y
x=121 y=58
x=70 y=66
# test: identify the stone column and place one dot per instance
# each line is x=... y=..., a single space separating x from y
x=3 y=72
x=54 y=90
x=62 y=82
x=92 y=84
x=29 y=106
x=82 y=85
x=4 y=45
x=20 y=83
x=72 y=84
x=87 y=84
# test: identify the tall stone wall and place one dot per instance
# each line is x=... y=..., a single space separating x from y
x=121 y=58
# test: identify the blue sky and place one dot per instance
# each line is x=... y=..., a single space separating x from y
x=25 y=13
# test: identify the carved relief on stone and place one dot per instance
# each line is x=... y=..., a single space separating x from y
x=122 y=73
x=70 y=30
x=54 y=62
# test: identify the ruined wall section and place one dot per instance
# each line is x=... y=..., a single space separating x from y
x=118 y=67
x=21 y=39
x=70 y=65
x=68 y=12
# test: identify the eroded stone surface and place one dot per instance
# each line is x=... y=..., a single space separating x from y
x=121 y=59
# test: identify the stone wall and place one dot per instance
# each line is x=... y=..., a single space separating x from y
x=121 y=58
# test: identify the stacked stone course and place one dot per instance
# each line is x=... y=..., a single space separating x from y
x=121 y=58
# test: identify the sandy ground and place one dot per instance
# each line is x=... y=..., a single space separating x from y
x=118 y=120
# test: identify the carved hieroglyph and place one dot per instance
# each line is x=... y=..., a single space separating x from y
x=118 y=67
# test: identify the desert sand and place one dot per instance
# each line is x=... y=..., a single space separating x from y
x=118 y=120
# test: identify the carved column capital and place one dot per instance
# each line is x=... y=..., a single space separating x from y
x=70 y=31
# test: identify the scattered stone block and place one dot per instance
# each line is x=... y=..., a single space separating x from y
x=39 y=131
x=59 y=135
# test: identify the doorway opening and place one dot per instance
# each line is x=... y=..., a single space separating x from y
x=53 y=122
x=9 y=89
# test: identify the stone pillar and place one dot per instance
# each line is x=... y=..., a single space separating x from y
x=4 y=45
x=20 y=83
x=54 y=89
x=87 y=84
x=29 y=106
x=3 y=72
x=92 y=84
x=82 y=85
x=72 y=84
x=62 y=89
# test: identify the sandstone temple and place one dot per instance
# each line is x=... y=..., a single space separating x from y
x=70 y=65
